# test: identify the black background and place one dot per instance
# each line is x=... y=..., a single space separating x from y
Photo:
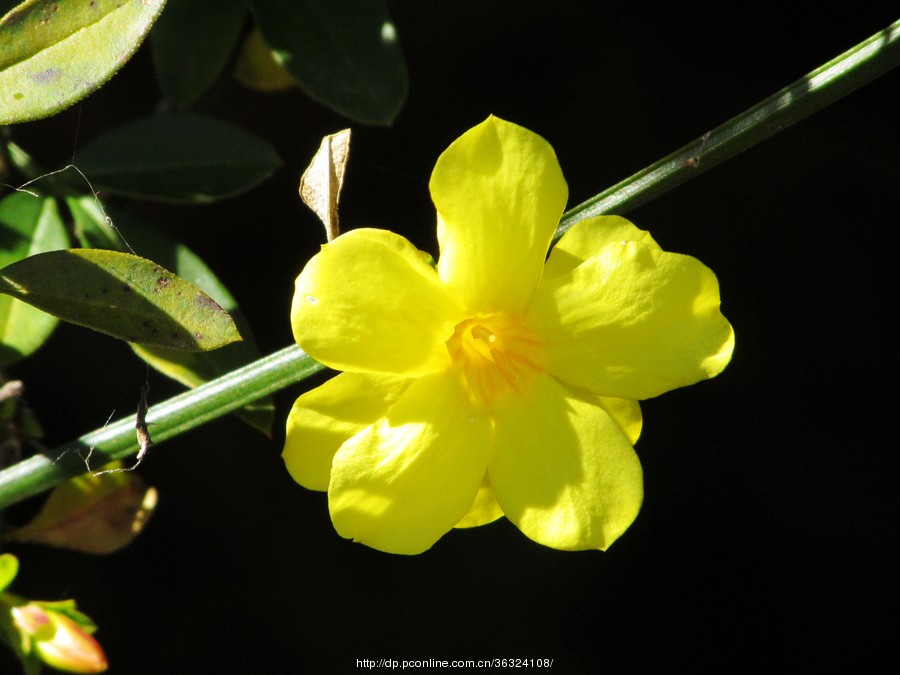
x=769 y=530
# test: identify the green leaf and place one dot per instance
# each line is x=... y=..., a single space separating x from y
x=178 y=158
x=68 y=608
x=28 y=225
x=192 y=43
x=92 y=228
x=9 y=568
x=24 y=163
x=53 y=53
x=122 y=295
x=343 y=53
x=195 y=368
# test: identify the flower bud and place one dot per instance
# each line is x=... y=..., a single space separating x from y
x=50 y=632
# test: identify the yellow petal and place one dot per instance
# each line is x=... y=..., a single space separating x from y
x=499 y=193
x=324 y=418
x=588 y=236
x=370 y=302
x=485 y=508
x=406 y=480
x=632 y=322
x=563 y=471
x=626 y=414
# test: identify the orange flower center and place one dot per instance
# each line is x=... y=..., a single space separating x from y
x=495 y=353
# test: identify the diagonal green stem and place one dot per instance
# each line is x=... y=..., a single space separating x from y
x=861 y=64
x=168 y=419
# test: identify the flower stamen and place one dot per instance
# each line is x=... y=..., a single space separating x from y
x=494 y=353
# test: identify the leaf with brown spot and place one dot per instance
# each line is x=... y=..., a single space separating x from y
x=53 y=53
x=119 y=294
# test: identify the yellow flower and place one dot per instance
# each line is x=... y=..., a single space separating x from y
x=494 y=383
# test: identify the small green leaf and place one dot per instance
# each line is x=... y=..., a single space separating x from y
x=28 y=225
x=343 y=53
x=179 y=158
x=194 y=368
x=68 y=608
x=53 y=53
x=122 y=295
x=25 y=163
x=91 y=226
x=192 y=43
x=9 y=568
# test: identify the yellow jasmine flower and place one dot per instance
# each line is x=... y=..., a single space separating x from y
x=494 y=383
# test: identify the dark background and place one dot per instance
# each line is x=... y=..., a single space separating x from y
x=770 y=525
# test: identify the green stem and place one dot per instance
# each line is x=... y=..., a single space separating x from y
x=861 y=64
x=167 y=419
x=823 y=86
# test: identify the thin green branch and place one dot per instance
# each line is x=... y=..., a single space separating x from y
x=170 y=418
x=823 y=86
